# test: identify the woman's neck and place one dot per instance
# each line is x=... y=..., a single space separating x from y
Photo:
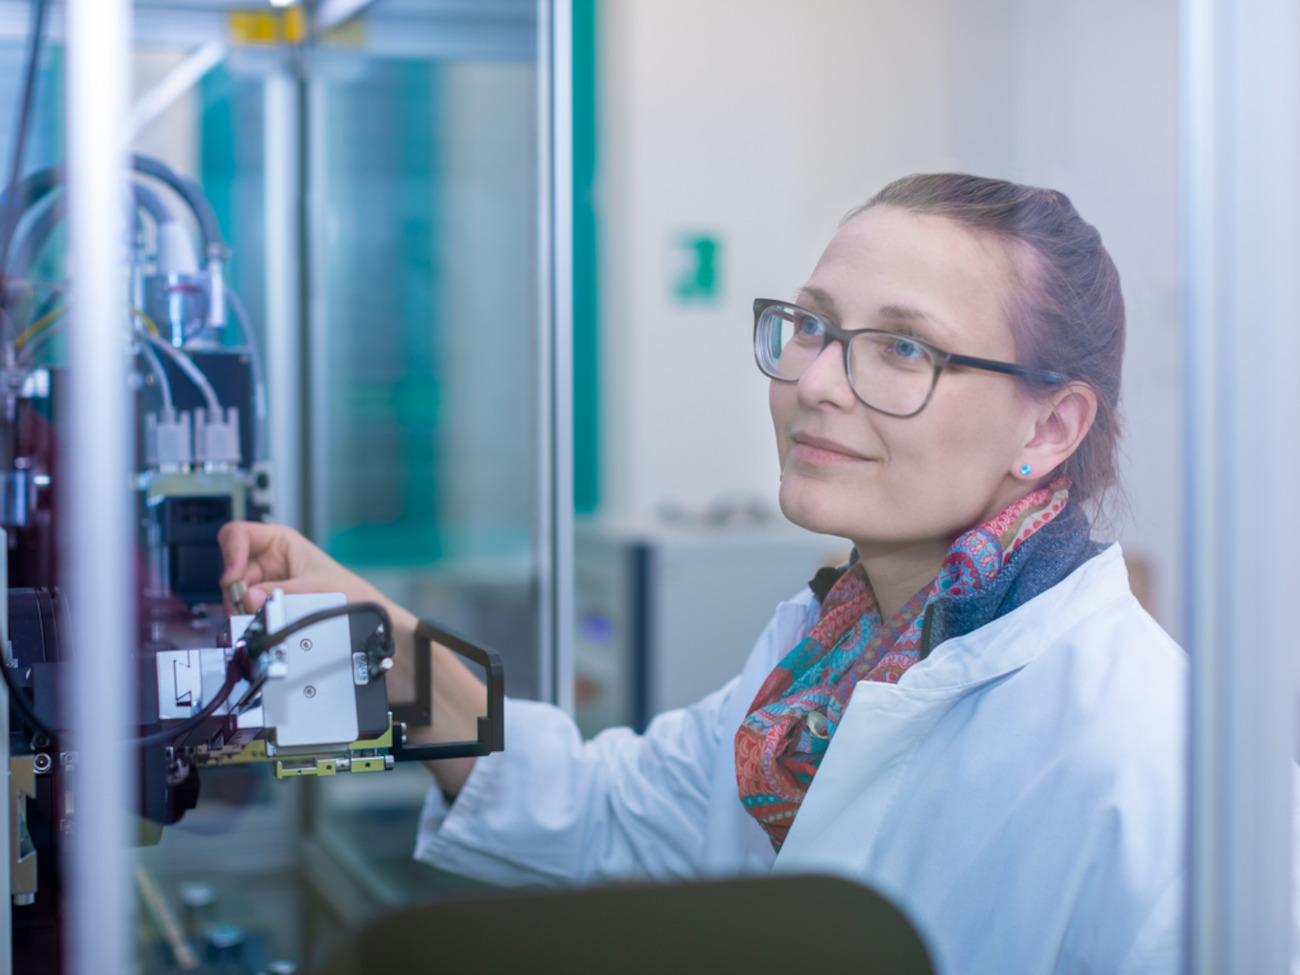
x=898 y=572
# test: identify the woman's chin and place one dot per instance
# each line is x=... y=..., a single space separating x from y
x=810 y=507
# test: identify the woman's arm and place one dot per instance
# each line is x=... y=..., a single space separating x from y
x=266 y=557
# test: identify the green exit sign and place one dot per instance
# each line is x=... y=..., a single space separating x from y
x=698 y=279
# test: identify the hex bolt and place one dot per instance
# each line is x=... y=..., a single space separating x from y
x=305 y=643
x=309 y=690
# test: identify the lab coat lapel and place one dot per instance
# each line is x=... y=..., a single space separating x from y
x=837 y=823
x=861 y=770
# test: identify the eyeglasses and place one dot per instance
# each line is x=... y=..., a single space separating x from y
x=891 y=373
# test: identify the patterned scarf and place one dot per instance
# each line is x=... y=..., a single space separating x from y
x=780 y=745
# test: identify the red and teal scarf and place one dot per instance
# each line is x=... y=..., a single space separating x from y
x=780 y=745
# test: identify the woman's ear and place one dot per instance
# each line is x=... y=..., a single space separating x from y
x=1061 y=423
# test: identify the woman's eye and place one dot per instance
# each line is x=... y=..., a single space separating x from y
x=807 y=325
x=907 y=349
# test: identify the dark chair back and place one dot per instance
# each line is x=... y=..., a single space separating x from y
x=798 y=924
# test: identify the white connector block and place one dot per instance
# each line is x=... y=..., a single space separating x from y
x=216 y=438
x=168 y=439
x=315 y=705
x=175 y=249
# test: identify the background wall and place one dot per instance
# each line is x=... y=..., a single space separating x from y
x=759 y=123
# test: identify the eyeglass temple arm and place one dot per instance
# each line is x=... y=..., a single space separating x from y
x=1009 y=369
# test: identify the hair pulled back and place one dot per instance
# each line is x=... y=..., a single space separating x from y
x=1069 y=315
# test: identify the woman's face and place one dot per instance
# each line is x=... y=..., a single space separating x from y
x=882 y=481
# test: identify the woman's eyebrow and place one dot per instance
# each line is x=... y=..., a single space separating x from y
x=905 y=317
x=822 y=299
x=918 y=322
x=903 y=313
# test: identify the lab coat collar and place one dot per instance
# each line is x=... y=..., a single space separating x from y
x=1011 y=641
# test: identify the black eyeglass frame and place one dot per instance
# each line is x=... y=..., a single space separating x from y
x=940 y=357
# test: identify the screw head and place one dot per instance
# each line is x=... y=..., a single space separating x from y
x=305 y=643
x=309 y=691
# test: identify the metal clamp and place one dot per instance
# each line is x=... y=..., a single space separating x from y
x=491 y=727
x=22 y=851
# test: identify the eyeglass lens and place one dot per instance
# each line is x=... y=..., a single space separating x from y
x=889 y=372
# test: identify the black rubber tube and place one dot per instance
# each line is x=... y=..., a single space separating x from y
x=191 y=193
x=28 y=246
x=34 y=186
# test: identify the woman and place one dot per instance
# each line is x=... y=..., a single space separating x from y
x=975 y=716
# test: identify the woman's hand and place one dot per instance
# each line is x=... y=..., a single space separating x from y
x=267 y=557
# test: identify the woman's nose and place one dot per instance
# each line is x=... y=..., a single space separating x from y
x=825 y=381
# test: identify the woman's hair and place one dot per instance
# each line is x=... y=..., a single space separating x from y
x=1070 y=313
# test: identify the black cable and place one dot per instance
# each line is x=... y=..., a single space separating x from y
x=255 y=368
x=255 y=647
x=189 y=191
x=167 y=735
x=31 y=189
x=311 y=619
x=25 y=710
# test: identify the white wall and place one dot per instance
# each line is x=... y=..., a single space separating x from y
x=764 y=121
x=173 y=136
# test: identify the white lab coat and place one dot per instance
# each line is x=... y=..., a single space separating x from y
x=1019 y=793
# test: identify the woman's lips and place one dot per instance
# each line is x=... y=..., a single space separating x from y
x=823 y=453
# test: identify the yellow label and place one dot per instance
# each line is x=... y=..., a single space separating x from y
x=265 y=28
x=294 y=25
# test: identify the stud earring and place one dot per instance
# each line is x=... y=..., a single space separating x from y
x=1025 y=470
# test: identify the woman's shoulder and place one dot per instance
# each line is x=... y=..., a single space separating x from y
x=1100 y=611
x=1092 y=611
x=1110 y=683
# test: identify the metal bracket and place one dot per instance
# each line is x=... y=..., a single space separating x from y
x=491 y=727
x=22 y=851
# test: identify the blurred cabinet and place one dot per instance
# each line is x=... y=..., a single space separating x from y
x=667 y=614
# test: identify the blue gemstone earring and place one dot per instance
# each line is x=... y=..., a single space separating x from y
x=1025 y=470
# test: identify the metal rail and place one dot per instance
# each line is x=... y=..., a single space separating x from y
x=1241 y=218
x=555 y=350
x=98 y=555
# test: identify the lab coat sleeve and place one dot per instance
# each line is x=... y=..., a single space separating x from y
x=552 y=809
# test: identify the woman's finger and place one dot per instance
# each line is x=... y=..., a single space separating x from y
x=234 y=541
x=258 y=594
x=254 y=574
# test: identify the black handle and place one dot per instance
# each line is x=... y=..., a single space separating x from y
x=491 y=728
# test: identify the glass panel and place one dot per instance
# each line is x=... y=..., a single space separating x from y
x=424 y=317
x=425 y=308
x=420 y=346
